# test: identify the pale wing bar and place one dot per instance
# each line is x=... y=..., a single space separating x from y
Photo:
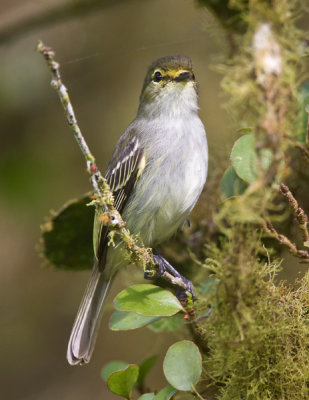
x=121 y=177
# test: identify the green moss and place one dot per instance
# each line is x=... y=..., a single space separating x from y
x=258 y=333
x=246 y=97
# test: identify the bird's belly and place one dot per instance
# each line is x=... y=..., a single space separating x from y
x=165 y=195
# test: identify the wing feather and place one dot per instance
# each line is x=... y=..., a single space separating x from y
x=122 y=175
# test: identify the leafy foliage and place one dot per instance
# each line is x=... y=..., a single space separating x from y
x=122 y=378
x=122 y=382
x=67 y=236
x=144 y=369
x=183 y=365
x=112 y=367
x=167 y=324
x=148 y=300
x=231 y=184
x=147 y=396
x=125 y=320
x=245 y=160
x=165 y=393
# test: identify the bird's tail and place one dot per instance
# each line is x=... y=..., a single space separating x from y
x=86 y=324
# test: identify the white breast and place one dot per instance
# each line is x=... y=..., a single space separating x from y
x=175 y=174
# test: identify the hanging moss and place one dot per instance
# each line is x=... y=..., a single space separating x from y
x=257 y=335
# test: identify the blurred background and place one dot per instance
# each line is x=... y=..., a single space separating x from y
x=104 y=55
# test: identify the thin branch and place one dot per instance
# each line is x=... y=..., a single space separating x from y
x=304 y=150
x=98 y=182
x=302 y=224
x=300 y=215
x=198 y=394
x=282 y=239
x=139 y=255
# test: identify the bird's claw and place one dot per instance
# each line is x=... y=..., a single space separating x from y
x=163 y=266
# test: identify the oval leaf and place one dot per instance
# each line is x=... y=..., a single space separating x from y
x=149 y=300
x=67 y=236
x=111 y=367
x=147 y=396
x=144 y=369
x=125 y=320
x=231 y=184
x=245 y=160
x=167 y=324
x=122 y=382
x=166 y=393
x=183 y=365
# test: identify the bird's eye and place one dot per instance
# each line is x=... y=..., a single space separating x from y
x=193 y=77
x=157 y=76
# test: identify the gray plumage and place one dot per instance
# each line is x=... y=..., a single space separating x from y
x=157 y=172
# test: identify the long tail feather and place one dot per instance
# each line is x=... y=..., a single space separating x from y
x=86 y=325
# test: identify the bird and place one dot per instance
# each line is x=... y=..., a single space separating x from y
x=156 y=173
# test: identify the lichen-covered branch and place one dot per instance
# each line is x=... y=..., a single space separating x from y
x=98 y=182
x=137 y=254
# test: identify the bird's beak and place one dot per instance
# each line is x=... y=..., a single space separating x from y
x=184 y=76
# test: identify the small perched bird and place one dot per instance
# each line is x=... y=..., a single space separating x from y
x=156 y=173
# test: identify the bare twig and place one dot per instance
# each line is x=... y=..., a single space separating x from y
x=139 y=255
x=304 y=150
x=302 y=222
x=300 y=215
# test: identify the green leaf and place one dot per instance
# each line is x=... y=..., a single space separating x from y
x=122 y=382
x=183 y=365
x=231 y=184
x=149 y=300
x=166 y=393
x=245 y=130
x=147 y=396
x=245 y=160
x=167 y=324
x=303 y=112
x=126 y=320
x=67 y=236
x=144 y=368
x=111 y=367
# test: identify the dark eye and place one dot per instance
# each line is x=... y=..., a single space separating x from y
x=157 y=76
x=193 y=77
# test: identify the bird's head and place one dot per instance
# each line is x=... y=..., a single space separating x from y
x=169 y=87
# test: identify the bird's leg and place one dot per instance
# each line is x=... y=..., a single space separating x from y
x=165 y=267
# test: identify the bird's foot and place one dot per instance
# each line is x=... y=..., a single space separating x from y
x=185 y=286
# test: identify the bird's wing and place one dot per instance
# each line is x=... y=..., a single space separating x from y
x=122 y=174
